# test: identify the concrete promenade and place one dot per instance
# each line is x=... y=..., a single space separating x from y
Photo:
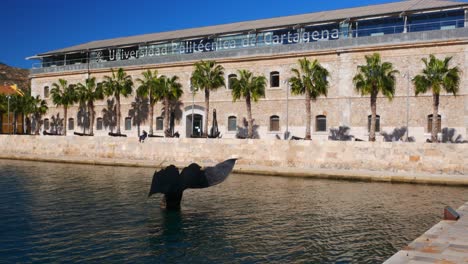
x=445 y=164
x=446 y=242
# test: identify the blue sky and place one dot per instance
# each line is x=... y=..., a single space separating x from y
x=35 y=26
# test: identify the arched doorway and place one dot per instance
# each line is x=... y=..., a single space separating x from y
x=194 y=129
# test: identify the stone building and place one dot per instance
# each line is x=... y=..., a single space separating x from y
x=402 y=32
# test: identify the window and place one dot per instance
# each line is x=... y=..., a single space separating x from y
x=429 y=123
x=231 y=77
x=321 y=123
x=46 y=124
x=232 y=123
x=274 y=123
x=274 y=79
x=377 y=123
x=128 y=123
x=71 y=124
x=46 y=92
x=33 y=125
x=159 y=123
x=99 y=123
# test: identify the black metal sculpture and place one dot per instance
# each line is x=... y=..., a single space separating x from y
x=214 y=131
x=169 y=182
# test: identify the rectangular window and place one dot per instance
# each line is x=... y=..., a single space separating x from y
x=321 y=124
x=377 y=123
x=232 y=123
x=71 y=124
x=159 y=123
x=274 y=123
x=99 y=124
x=274 y=79
x=128 y=123
x=46 y=124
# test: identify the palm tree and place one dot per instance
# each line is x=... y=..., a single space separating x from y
x=88 y=93
x=249 y=87
x=373 y=78
x=116 y=85
x=437 y=76
x=207 y=76
x=39 y=108
x=170 y=90
x=310 y=79
x=63 y=94
x=149 y=87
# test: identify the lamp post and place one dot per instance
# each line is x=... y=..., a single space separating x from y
x=9 y=131
x=193 y=106
x=286 y=133
x=407 y=76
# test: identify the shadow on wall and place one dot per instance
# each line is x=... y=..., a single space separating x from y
x=449 y=136
x=139 y=112
x=175 y=106
x=83 y=118
x=340 y=134
x=56 y=124
x=398 y=134
x=242 y=131
x=109 y=115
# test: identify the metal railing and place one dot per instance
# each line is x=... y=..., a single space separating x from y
x=360 y=32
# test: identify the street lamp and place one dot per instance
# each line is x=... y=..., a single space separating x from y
x=286 y=133
x=193 y=106
x=9 y=131
x=407 y=76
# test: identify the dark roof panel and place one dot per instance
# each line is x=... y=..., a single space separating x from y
x=318 y=17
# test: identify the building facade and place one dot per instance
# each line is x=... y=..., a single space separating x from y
x=402 y=32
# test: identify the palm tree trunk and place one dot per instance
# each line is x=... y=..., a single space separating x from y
x=84 y=118
x=373 y=116
x=249 y=117
x=166 y=114
x=65 y=120
x=207 y=111
x=151 y=118
x=117 y=99
x=91 y=121
x=308 y=115
x=435 y=117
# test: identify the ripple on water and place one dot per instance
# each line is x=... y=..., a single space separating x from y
x=74 y=213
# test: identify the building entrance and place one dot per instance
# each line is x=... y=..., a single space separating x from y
x=195 y=129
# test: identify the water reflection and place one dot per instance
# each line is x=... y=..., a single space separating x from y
x=72 y=213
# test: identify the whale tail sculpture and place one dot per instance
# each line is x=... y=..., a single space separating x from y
x=172 y=184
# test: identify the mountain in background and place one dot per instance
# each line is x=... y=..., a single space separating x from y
x=12 y=75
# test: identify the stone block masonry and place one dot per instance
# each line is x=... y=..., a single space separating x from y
x=379 y=161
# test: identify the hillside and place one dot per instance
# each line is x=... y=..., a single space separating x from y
x=12 y=75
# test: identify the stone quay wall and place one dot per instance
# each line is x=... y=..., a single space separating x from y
x=382 y=161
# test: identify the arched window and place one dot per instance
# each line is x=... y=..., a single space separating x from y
x=232 y=123
x=46 y=91
x=274 y=123
x=128 y=123
x=429 y=123
x=230 y=78
x=46 y=124
x=159 y=123
x=377 y=123
x=321 y=123
x=99 y=123
x=274 y=79
x=71 y=124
